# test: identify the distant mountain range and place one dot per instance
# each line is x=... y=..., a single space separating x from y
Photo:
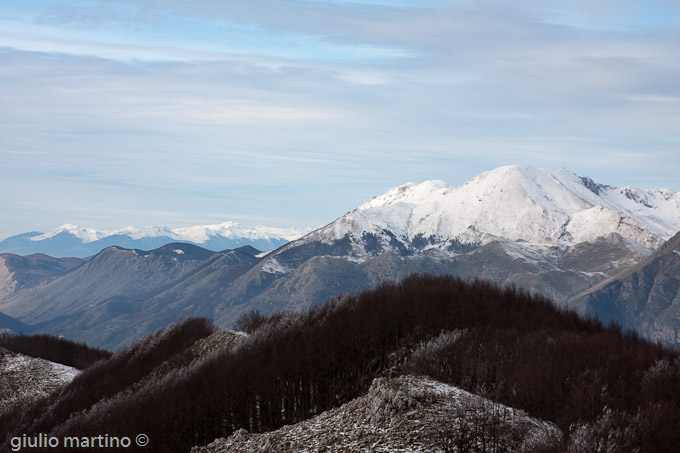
x=551 y=232
x=76 y=241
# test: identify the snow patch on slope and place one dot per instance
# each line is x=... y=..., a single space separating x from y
x=24 y=379
x=272 y=266
x=589 y=224
x=63 y=373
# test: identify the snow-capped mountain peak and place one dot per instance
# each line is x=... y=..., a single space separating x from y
x=82 y=233
x=197 y=234
x=201 y=233
x=516 y=203
x=139 y=233
x=72 y=240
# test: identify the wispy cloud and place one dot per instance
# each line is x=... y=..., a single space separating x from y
x=314 y=106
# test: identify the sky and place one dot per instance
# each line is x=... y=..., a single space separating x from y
x=290 y=113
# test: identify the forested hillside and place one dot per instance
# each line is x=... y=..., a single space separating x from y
x=54 y=349
x=500 y=343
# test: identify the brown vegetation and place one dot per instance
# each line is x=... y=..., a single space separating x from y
x=505 y=344
x=54 y=349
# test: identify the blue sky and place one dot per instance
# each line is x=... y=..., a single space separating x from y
x=291 y=113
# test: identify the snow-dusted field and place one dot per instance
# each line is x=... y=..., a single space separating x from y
x=23 y=379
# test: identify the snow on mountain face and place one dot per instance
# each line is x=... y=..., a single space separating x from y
x=84 y=234
x=517 y=203
x=72 y=240
x=197 y=234
x=202 y=233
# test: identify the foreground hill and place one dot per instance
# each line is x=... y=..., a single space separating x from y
x=599 y=388
x=404 y=414
x=53 y=349
x=33 y=367
x=24 y=379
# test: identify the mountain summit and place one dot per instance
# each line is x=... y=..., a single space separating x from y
x=513 y=203
x=550 y=232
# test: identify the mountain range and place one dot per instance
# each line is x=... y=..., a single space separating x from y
x=550 y=232
x=77 y=241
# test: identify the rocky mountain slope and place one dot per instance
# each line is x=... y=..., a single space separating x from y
x=114 y=272
x=23 y=272
x=403 y=414
x=72 y=240
x=120 y=295
x=9 y=324
x=645 y=297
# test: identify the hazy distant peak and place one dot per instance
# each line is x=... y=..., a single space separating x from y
x=201 y=233
x=197 y=234
x=141 y=232
x=73 y=240
x=82 y=233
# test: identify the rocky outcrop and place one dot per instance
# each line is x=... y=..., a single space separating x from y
x=385 y=402
x=406 y=414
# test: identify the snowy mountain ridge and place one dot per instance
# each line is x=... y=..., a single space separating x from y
x=198 y=234
x=516 y=203
x=73 y=240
